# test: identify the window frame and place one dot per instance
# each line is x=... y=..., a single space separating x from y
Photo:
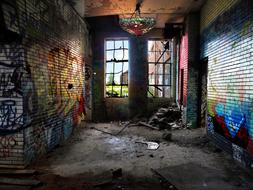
x=157 y=74
x=121 y=85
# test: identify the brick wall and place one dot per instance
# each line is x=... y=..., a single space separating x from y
x=183 y=64
x=227 y=42
x=42 y=77
x=189 y=59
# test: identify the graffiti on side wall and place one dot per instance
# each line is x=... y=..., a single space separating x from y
x=42 y=77
x=9 y=116
x=12 y=55
x=58 y=79
x=7 y=143
x=14 y=88
x=66 y=86
x=230 y=103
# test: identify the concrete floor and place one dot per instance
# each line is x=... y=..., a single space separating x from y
x=189 y=161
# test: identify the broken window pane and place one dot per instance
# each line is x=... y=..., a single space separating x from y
x=125 y=67
x=109 y=55
x=116 y=68
x=159 y=70
x=151 y=91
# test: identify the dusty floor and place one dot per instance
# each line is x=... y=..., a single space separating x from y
x=189 y=161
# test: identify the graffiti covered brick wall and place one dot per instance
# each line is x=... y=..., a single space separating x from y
x=227 y=42
x=42 y=77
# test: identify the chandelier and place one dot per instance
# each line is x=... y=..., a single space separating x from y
x=136 y=24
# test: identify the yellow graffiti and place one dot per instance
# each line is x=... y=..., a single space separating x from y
x=64 y=70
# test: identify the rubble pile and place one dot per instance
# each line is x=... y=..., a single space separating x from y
x=166 y=118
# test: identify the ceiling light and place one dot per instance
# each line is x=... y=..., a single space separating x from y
x=136 y=24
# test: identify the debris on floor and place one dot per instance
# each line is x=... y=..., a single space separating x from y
x=167 y=136
x=151 y=145
x=165 y=118
x=147 y=125
x=164 y=182
x=99 y=161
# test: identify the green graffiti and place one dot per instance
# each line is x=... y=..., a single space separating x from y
x=234 y=45
x=246 y=28
x=210 y=110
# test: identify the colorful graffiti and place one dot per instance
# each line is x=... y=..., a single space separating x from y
x=41 y=77
x=230 y=100
x=64 y=69
x=11 y=77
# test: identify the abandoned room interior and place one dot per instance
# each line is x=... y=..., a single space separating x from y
x=126 y=94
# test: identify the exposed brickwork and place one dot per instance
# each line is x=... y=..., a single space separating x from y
x=42 y=78
x=183 y=64
x=189 y=62
x=228 y=42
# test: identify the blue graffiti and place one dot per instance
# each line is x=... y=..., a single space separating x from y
x=219 y=108
x=210 y=127
x=233 y=117
x=9 y=117
x=234 y=122
x=67 y=127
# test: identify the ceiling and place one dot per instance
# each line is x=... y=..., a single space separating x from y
x=164 y=11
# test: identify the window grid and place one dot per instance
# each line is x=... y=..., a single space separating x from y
x=116 y=79
x=159 y=72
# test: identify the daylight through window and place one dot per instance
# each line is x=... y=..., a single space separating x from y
x=159 y=68
x=116 y=73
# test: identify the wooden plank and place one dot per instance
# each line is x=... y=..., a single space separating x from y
x=22 y=182
x=147 y=125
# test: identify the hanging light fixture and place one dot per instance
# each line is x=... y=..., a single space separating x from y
x=136 y=24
